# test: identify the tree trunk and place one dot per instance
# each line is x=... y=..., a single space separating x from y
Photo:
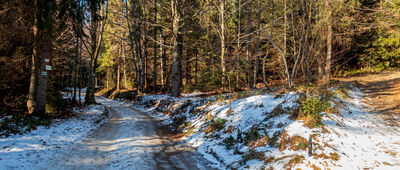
x=144 y=59
x=222 y=20
x=238 y=46
x=107 y=81
x=80 y=72
x=175 y=4
x=42 y=84
x=76 y=68
x=124 y=60
x=257 y=43
x=118 y=73
x=249 y=7
x=139 y=48
x=163 y=62
x=96 y=40
x=155 y=49
x=132 y=39
x=271 y=33
x=31 y=103
x=285 y=39
x=328 y=62
x=161 y=37
x=167 y=70
x=196 y=67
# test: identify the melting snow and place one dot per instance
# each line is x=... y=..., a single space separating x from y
x=358 y=137
x=36 y=149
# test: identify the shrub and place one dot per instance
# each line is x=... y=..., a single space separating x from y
x=242 y=94
x=239 y=136
x=252 y=154
x=342 y=91
x=178 y=122
x=128 y=95
x=220 y=97
x=251 y=135
x=229 y=142
x=183 y=108
x=56 y=106
x=310 y=108
x=215 y=125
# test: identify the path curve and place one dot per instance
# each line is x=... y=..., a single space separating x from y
x=382 y=94
x=129 y=140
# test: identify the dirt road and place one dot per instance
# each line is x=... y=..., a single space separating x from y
x=129 y=140
x=382 y=94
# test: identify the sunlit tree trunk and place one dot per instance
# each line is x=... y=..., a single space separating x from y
x=238 y=45
x=285 y=39
x=31 y=103
x=118 y=71
x=124 y=60
x=328 y=62
x=132 y=41
x=96 y=36
x=222 y=37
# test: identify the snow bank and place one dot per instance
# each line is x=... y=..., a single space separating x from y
x=36 y=149
x=241 y=118
x=253 y=135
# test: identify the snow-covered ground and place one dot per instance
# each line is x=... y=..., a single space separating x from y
x=36 y=149
x=360 y=138
x=249 y=133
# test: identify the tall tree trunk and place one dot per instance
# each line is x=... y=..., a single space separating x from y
x=175 y=4
x=238 y=46
x=89 y=98
x=107 y=78
x=162 y=47
x=76 y=67
x=139 y=48
x=144 y=60
x=124 y=60
x=118 y=71
x=181 y=33
x=257 y=43
x=196 y=67
x=328 y=62
x=222 y=20
x=42 y=84
x=167 y=70
x=31 y=103
x=96 y=41
x=285 y=39
x=163 y=60
x=155 y=49
x=80 y=71
x=249 y=7
x=132 y=41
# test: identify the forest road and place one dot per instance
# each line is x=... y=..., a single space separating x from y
x=129 y=140
x=382 y=93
